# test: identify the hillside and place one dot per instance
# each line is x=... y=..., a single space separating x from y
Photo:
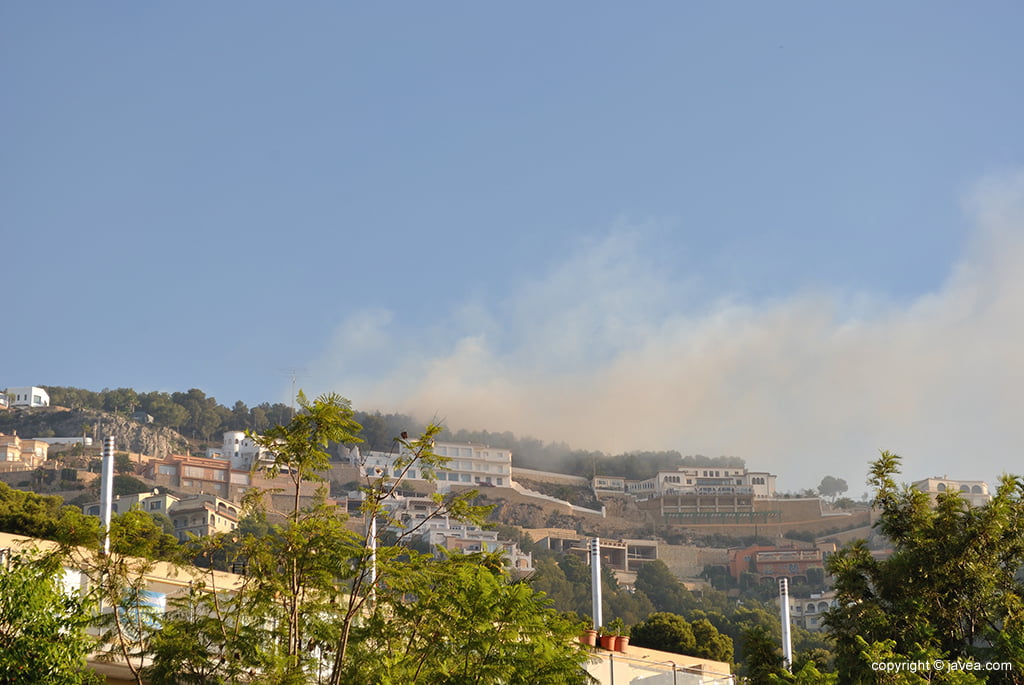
x=129 y=435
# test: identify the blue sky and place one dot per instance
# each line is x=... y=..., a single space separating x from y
x=787 y=232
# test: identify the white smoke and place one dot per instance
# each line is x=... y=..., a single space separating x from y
x=609 y=352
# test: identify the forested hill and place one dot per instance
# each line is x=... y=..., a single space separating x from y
x=198 y=416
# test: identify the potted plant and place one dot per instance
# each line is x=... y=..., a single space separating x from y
x=610 y=634
x=589 y=637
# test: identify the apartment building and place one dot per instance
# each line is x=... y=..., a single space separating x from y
x=777 y=562
x=241 y=450
x=702 y=481
x=22 y=452
x=200 y=475
x=809 y=612
x=468 y=464
x=415 y=512
x=199 y=515
x=154 y=502
x=203 y=515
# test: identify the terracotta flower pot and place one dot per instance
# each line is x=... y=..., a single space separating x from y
x=608 y=642
x=589 y=637
x=621 y=642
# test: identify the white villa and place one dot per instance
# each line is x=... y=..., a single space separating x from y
x=28 y=397
x=470 y=465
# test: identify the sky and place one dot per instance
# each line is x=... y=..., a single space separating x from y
x=791 y=232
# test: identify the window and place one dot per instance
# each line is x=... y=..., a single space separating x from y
x=154 y=506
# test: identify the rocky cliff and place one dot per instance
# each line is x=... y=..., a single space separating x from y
x=129 y=435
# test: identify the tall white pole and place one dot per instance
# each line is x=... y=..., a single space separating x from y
x=787 y=641
x=595 y=581
x=373 y=558
x=107 y=489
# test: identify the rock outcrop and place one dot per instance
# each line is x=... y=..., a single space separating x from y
x=129 y=435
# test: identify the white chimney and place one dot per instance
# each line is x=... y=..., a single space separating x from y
x=107 y=490
x=595 y=580
x=787 y=641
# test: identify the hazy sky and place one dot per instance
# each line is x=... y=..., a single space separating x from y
x=788 y=232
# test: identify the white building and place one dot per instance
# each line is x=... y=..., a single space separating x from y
x=414 y=512
x=240 y=450
x=28 y=397
x=809 y=612
x=470 y=465
x=974 y=491
x=703 y=480
x=198 y=514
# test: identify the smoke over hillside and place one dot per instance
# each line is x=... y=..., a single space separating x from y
x=611 y=351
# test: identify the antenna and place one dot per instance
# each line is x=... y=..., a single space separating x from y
x=293 y=373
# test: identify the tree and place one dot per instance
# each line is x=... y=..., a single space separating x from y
x=807 y=674
x=317 y=599
x=762 y=658
x=664 y=631
x=209 y=636
x=664 y=590
x=300 y=448
x=118 y=579
x=163 y=409
x=204 y=414
x=42 y=516
x=123 y=463
x=460 y=620
x=120 y=400
x=34 y=611
x=711 y=644
x=240 y=418
x=950 y=589
x=832 y=487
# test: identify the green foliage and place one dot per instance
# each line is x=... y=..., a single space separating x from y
x=43 y=638
x=950 y=589
x=762 y=658
x=459 y=620
x=120 y=400
x=807 y=674
x=123 y=463
x=138 y=533
x=723 y=461
x=318 y=602
x=664 y=631
x=40 y=516
x=212 y=637
x=672 y=633
x=710 y=643
x=129 y=485
x=664 y=590
x=832 y=487
x=921 y=659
